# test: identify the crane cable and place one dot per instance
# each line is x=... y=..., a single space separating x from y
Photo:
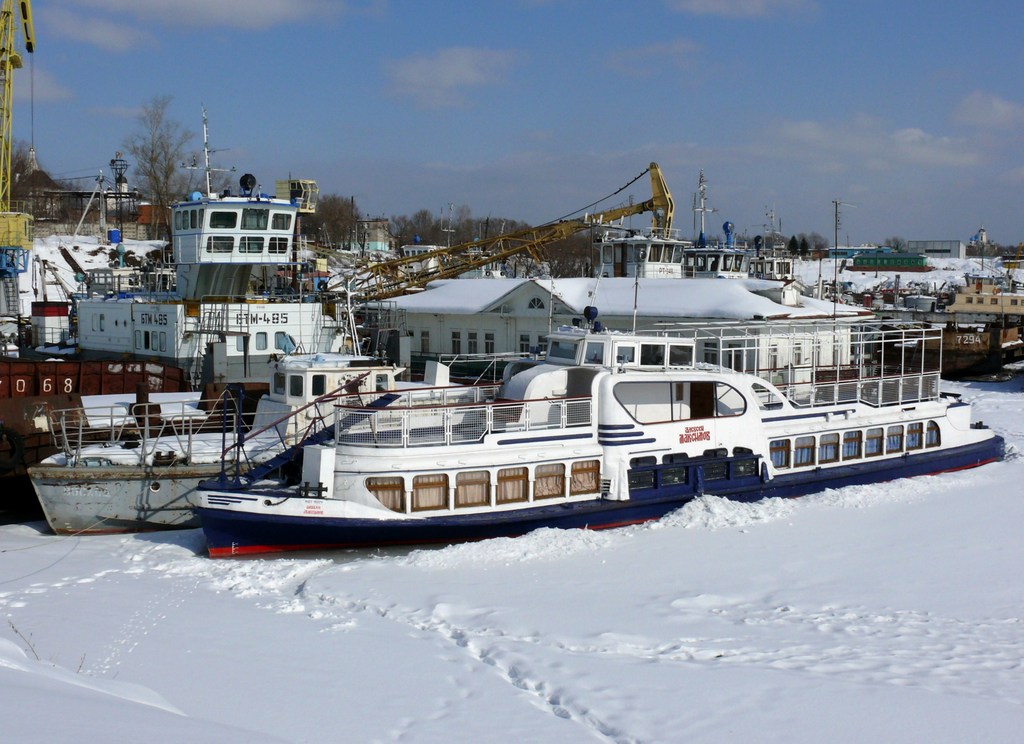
x=603 y=198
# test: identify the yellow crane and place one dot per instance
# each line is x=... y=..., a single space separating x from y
x=386 y=279
x=15 y=238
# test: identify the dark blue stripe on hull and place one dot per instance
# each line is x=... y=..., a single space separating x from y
x=239 y=533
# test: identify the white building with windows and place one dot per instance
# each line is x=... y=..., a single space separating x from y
x=465 y=317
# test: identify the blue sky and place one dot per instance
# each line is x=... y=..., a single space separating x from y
x=911 y=112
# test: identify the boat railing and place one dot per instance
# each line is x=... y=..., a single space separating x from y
x=456 y=424
x=876 y=391
x=164 y=430
x=875 y=362
x=453 y=395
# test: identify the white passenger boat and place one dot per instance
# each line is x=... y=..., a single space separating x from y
x=127 y=464
x=614 y=429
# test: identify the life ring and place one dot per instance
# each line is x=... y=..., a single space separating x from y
x=16 y=454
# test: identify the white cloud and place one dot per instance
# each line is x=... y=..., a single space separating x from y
x=921 y=148
x=646 y=60
x=741 y=8
x=989 y=111
x=246 y=14
x=40 y=85
x=864 y=142
x=108 y=35
x=444 y=77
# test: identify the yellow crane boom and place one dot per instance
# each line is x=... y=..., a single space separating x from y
x=10 y=60
x=386 y=279
x=15 y=237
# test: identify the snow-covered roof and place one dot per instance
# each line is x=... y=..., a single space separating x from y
x=729 y=299
x=459 y=295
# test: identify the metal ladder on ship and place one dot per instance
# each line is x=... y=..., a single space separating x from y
x=213 y=321
x=10 y=302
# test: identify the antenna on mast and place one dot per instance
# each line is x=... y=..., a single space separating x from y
x=207 y=168
x=700 y=207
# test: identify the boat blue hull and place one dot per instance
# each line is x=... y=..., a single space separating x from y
x=231 y=532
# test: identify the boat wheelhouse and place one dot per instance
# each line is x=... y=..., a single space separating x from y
x=612 y=429
x=654 y=255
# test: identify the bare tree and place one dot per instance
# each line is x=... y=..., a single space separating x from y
x=157 y=149
x=572 y=256
x=335 y=220
x=896 y=243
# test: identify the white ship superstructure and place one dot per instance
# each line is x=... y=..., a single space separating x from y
x=233 y=306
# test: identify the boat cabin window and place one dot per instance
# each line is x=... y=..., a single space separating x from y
x=388 y=490
x=674 y=476
x=716 y=470
x=223 y=220
x=625 y=354
x=513 y=485
x=278 y=383
x=851 y=445
x=894 y=439
x=261 y=341
x=741 y=468
x=382 y=382
x=779 y=453
x=680 y=355
x=585 y=478
x=932 y=438
x=278 y=245
x=295 y=385
x=255 y=219
x=318 y=385
x=473 y=488
x=873 y=442
x=220 y=244
x=803 y=451
x=730 y=402
x=828 y=447
x=549 y=481
x=595 y=353
x=652 y=402
x=250 y=244
x=429 y=492
x=652 y=354
x=281 y=221
x=914 y=435
x=564 y=350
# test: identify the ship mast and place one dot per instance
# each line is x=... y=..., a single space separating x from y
x=700 y=207
x=208 y=169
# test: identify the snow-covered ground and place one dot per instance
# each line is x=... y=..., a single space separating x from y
x=870 y=614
